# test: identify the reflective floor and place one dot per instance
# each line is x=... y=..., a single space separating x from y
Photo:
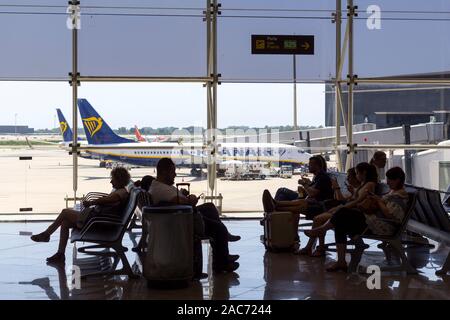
x=25 y=275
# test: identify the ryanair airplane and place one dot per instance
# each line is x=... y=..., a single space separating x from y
x=116 y=148
x=67 y=135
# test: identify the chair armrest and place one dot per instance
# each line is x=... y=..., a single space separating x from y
x=89 y=197
x=107 y=216
x=94 y=195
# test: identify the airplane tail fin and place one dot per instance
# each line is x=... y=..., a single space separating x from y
x=66 y=132
x=138 y=135
x=97 y=130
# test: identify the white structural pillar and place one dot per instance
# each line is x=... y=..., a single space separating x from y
x=337 y=84
x=74 y=12
x=294 y=66
x=211 y=88
x=351 y=12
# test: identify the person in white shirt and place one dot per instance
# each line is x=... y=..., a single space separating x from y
x=163 y=191
x=379 y=160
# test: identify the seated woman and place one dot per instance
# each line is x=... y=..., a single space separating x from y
x=353 y=221
x=355 y=188
x=116 y=201
x=351 y=184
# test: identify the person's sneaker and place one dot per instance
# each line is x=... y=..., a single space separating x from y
x=41 y=237
x=228 y=268
x=233 y=257
x=268 y=202
x=233 y=238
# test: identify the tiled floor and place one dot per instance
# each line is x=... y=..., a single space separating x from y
x=25 y=275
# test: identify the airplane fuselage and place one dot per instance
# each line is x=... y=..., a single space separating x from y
x=148 y=154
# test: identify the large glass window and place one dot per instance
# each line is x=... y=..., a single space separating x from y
x=242 y=19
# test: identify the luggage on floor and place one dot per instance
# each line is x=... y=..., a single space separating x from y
x=279 y=232
x=169 y=247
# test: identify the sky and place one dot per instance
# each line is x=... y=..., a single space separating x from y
x=163 y=105
x=38 y=46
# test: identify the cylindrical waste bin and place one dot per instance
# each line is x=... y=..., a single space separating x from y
x=168 y=259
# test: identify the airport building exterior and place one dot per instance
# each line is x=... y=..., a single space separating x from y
x=16 y=130
x=392 y=105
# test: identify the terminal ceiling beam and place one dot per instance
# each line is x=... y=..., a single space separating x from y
x=144 y=79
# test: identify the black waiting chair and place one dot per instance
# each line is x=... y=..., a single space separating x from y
x=106 y=232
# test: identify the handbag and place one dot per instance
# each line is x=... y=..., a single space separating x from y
x=85 y=215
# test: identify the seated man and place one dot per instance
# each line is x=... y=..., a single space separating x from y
x=318 y=190
x=285 y=194
x=163 y=191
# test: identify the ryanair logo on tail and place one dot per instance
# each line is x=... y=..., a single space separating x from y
x=63 y=126
x=93 y=125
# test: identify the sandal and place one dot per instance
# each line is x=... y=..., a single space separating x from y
x=41 y=237
x=57 y=258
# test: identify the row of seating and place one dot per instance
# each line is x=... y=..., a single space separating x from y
x=426 y=216
x=106 y=232
x=430 y=219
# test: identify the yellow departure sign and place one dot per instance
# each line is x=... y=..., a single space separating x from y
x=283 y=44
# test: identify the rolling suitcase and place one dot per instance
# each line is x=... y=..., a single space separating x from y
x=168 y=261
x=279 y=234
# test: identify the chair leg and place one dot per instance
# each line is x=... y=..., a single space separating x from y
x=126 y=268
x=445 y=267
x=405 y=265
x=132 y=224
x=119 y=255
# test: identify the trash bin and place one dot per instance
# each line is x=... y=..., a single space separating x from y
x=168 y=260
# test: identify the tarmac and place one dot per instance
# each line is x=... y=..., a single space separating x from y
x=42 y=184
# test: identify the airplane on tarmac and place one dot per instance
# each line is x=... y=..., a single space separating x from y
x=110 y=146
x=67 y=135
x=151 y=138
